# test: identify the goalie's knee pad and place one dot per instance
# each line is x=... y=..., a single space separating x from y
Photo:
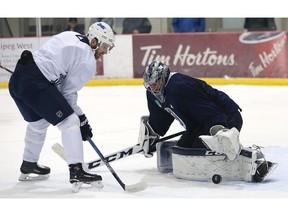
x=164 y=156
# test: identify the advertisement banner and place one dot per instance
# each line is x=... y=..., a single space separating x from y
x=11 y=49
x=219 y=54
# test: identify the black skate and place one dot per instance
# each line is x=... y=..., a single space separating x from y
x=33 y=171
x=264 y=168
x=78 y=177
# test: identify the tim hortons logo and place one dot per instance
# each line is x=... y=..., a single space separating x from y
x=183 y=56
x=267 y=58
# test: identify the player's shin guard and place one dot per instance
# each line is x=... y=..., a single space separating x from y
x=71 y=139
x=34 y=139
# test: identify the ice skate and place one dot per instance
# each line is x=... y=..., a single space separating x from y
x=31 y=171
x=264 y=170
x=80 y=178
x=264 y=167
x=224 y=142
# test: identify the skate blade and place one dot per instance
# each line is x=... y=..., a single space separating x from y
x=271 y=169
x=32 y=177
x=77 y=186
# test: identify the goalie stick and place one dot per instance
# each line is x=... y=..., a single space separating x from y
x=58 y=149
x=129 y=188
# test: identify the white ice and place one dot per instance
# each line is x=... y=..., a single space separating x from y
x=114 y=114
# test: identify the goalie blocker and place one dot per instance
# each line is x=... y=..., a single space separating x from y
x=205 y=164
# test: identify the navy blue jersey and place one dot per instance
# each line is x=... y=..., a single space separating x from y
x=191 y=101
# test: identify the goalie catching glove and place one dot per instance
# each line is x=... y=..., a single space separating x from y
x=147 y=136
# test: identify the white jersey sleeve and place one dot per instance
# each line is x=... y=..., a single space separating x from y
x=67 y=61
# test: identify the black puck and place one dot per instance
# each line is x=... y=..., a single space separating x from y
x=216 y=179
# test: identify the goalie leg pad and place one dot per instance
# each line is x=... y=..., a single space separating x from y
x=164 y=156
x=203 y=164
x=248 y=158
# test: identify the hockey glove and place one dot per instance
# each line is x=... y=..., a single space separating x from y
x=85 y=128
x=147 y=137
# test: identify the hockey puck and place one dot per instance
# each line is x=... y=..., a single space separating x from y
x=216 y=179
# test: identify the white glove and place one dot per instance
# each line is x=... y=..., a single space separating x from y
x=147 y=136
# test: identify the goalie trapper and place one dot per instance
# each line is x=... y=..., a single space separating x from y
x=33 y=171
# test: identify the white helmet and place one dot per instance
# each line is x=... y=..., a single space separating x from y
x=104 y=34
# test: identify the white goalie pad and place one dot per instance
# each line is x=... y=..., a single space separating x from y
x=143 y=132
x=203 y=164
x=224 y=142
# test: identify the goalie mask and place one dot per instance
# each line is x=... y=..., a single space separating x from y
x=104 y=34
x=155 y=77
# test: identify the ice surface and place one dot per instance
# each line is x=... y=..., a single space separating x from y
x=114 y=114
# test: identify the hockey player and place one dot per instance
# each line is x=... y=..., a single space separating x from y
x=44 y=86
x=211 y=118
x=195 y=104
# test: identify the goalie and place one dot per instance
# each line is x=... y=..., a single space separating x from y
x=210 y=145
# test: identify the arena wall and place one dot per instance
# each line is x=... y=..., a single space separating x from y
x=248 y=58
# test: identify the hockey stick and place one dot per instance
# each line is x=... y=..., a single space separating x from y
x=58 y=149
x=129 y=188
x=6 y=69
